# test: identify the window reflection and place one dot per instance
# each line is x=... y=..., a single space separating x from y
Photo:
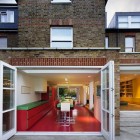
x=8 y=77
x=8 y=121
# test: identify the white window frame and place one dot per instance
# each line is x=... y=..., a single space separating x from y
x=129 y=22
x=62 y=40
x=7 y=16
x=106 y=42
x=61 y=1
x=130 y=47
x=5 y=43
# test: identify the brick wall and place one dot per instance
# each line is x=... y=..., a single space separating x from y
x=86 y=17
x=12 y=38
x=119 y=39
x=58 y=61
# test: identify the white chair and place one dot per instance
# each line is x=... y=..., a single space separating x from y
x=65 y=109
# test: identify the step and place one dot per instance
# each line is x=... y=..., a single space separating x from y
x=129 y=114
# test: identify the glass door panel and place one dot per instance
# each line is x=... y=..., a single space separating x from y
x=7 y=100
x=8 y=77
x=107 y=101
x=8 y=121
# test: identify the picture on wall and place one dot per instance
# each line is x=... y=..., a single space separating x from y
x=98 y=90
x=25 y=90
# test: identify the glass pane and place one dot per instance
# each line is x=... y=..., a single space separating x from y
x=123 y=19
x=3 y=18
x=129 y=42
x=8 y=77
x=3 y=42
x=106 y=78
x=8 y=121
x=10 y=16
x=106 y=99
x=61 y=34
x=106 y=42
x=135 y=18
x=135 y=25
x=61 y=44
x=123 y=25
x=8 y=99
x=106 y=121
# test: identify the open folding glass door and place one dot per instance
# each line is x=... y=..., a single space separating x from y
x=7 y=101
x=107 y=101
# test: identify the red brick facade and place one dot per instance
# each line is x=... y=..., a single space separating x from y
x=58 y=61
x=130 y=61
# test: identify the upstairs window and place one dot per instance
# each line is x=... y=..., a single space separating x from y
x=61 y=1
x=106 y=42
x=7 y=16
x=129 y=44
x=135 y=21
x=61 y=37
x=123 y=22
x=3 y=42
x=129 y=21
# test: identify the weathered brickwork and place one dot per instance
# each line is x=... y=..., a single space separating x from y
x=58 y=61
x=86 y=17
x=12 y=38
x=118 y=40
x=130 y=58
x=88 y=20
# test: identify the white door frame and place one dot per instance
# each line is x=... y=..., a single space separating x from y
x=54 y=133
x=11 y=132
x=110 y=134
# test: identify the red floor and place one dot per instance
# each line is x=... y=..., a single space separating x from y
x=84 y=121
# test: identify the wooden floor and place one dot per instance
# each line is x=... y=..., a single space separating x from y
x=130 y=107
x=84 y=122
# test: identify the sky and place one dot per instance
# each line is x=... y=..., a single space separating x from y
x=111 y=7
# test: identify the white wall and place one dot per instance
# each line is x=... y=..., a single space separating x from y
x=24 y=79
x=97 y=108
x=91 y=91
x=85 y=95
x=97 y=103
x=81 y=95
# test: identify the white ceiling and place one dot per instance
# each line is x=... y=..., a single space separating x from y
x=127 y=77
x=78 y=75
x=72 y=78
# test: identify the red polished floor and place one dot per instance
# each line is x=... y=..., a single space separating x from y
x=84 y=122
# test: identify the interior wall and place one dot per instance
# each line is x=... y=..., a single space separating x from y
x=136 y=88
x=97 y=103
x=27 y=82
x=81 y=95
x=91 y=93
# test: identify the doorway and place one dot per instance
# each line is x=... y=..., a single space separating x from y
x=107 y=93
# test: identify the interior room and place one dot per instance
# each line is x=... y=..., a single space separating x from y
x=40 y=94
x=130 y=91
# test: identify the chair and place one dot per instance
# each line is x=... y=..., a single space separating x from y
x=65 y=109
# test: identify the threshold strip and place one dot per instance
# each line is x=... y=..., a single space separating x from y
x=59 y=133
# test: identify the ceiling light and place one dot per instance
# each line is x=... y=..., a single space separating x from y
x=66 y=79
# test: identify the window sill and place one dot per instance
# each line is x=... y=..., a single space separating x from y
x=129 y=52
x=61 y=2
